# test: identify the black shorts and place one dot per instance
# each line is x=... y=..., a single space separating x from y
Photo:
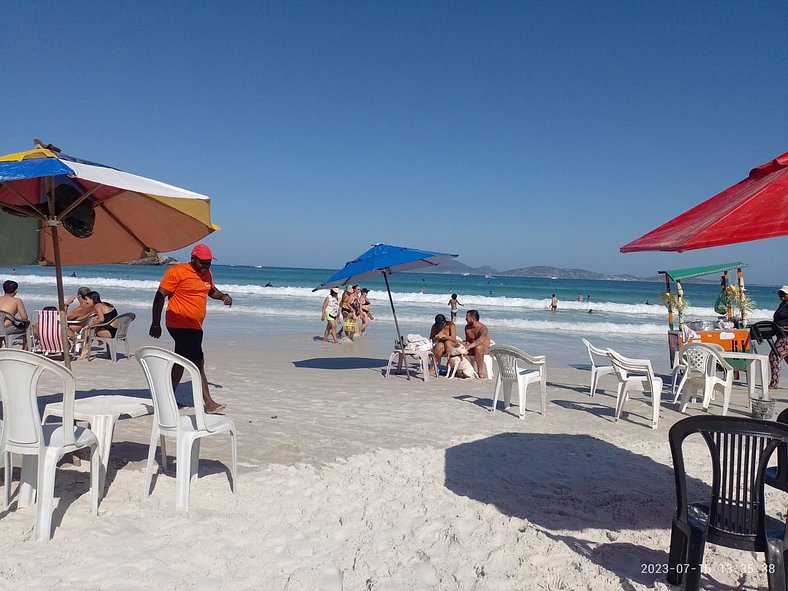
x=188 y=342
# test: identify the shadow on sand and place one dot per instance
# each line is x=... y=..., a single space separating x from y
x=340 y=363
x=573 y=483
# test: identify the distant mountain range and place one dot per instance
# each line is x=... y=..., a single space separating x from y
x=456 y=267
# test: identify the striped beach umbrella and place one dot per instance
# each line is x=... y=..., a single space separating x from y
x=60 y=210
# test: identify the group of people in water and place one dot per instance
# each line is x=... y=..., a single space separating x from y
x=354 y=308
x=90 y=309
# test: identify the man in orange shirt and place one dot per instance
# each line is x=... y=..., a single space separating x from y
x=188 y=287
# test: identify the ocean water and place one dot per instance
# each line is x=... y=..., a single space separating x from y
x=277 y=305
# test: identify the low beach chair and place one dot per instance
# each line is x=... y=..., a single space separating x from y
x=187 y=430
x=50 y=339
x=735 y=514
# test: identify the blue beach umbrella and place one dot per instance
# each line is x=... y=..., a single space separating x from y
x=385 y=259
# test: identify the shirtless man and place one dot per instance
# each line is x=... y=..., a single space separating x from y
x=15 y=307
x=477 y=339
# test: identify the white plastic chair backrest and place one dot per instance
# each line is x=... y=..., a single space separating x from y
x=122 y=322
x=702 y=358
x=19 y=375
x=49 y=335
x=3 y=317
x=624 y=366
x=594 y=351
x=507 y=358
x=157 y=364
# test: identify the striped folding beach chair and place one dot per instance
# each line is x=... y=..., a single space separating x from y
x=50 y=341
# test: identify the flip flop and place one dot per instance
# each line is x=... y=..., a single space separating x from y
x=216 y=409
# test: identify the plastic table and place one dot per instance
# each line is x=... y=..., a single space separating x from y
x=752 y=359
x=101 y=413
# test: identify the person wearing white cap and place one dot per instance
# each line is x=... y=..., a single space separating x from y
x=330 y=314
x=188 y=287
x=781 y=320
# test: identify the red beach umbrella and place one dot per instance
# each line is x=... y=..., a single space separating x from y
x=752 y=209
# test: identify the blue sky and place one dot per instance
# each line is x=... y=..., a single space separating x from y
x=511 y=133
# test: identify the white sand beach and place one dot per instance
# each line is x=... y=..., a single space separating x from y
x=349 y=481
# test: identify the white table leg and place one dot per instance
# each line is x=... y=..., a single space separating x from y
x=765 y=377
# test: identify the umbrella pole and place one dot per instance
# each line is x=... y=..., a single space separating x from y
x=393 y=311
x=396 y=323
x=53 y=223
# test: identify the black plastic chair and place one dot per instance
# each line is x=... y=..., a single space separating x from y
x=777 y=477
x=768 y=331
x=735 y=515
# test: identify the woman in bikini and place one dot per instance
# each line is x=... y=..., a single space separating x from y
x=105 y=312
x=443 y=335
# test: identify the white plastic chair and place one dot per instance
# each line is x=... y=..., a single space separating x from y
x=636 y=373
x=41 y=446
x=700 y=376
x=187 y=430
x=10 y=335
x=680 y=367
x=518 y=367
x=597 y=371
x=122 y=323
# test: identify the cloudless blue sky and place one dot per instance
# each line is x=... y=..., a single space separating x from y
x=511 y=133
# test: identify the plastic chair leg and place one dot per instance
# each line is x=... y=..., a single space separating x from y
x=194 y=460
x=695 y=550
x=656 y=399
x=543 y=384
x=620 y=397
x=496 y=392
x=113 y=354
x=522 y=390
x=28 y=481
x=45 y=496
x=775 y=559
x=163 y=452
x=677 y=555
x=234 y=466
x=97 y=474
x=149 y=464
x=183 y=465
x=594 y=381
x=8 y=467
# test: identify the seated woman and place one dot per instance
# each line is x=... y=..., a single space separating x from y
x=104 y=311
x=443 y=335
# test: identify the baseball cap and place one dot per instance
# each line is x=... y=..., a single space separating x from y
x=201 y=251
x=784 y=289
x=364 y=290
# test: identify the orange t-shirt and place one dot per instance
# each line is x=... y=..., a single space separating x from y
x=187 y=304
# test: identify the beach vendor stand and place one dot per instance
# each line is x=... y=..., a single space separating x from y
x=729 y=332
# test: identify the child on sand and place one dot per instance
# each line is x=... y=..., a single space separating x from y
x=454 y=304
